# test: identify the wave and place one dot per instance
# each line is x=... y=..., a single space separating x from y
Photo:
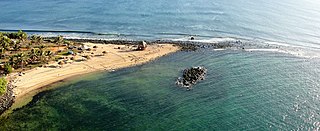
x=250 y=44
x=47 y=31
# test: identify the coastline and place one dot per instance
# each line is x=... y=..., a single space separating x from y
x=117 y=56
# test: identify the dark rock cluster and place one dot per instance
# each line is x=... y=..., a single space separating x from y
x=116 y=42
x=185 y=45
x=191 y=76
x=7 y=99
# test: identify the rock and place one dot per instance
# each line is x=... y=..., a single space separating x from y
x=142 y=46
x=7 y=99
x=191 y=76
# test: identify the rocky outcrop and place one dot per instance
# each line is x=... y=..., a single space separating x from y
x=191 y=76
x=7 y=99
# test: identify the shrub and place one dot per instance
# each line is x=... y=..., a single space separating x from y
x=7 y=68
x=17 y=35
x=3 y=85
x=22 y=35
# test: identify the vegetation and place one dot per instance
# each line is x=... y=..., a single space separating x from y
x=59 y=40
x=18 y=51
x=7 y=68
x=3 y=85
x=36 y=39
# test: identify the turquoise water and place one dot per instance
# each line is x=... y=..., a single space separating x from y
x=242 y=91
x=295 y=22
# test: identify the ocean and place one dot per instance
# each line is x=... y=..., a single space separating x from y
x=294 y=22
x=256 y=89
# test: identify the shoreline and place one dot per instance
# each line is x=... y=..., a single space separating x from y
x=24 y=94
x=117 y=56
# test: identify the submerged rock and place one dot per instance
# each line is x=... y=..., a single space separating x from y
x=191 y=76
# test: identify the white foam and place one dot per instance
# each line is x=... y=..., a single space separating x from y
x=266 y=50
x=219 y=49
x=216 y=40
x=295 y=50
x=90 y=38
x=309 y=46
x=277 y=43
x=271 y=50
x=181 y=39
x=298 y=52
x=211 y=40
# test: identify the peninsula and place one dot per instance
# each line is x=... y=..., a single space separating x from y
x=31 y=63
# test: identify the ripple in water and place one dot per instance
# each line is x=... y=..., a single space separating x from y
x=243 y=90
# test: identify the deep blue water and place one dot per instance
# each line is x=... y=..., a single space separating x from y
x=244 y=90
x=295 y=22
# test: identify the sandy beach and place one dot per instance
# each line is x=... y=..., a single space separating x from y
x=115 y=57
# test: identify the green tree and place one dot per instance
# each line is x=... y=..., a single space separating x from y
x=59 y=40
x=17 y=35
x=33 y=55
x=12 y=60
x=5 y=42
x=41 y=53
x=49 y=55
x=3 y=85
x=22 y=35
x=7 y=68
x=36 y=39
x=2 y=51
x=16 y=45
x=21 y=59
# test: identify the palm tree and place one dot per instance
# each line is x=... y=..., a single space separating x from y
x=16 y=45
x=59 y=40
x=21 y=59
x=36 y=39
x=22 y=35
x=49 y=55
x=41 y=53
x=12 y=61
x=5 y=42
x=33 y=55
x=2 y=51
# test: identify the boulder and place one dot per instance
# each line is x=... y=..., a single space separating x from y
x=142 y=45
x=191 y=76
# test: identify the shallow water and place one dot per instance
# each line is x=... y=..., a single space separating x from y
x=242 y=91
x=255 y=90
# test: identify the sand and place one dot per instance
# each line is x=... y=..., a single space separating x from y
x=113 y=59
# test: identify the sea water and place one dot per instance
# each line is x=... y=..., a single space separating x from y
x=251 y=89
x=294 y=22
x=242 y=91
